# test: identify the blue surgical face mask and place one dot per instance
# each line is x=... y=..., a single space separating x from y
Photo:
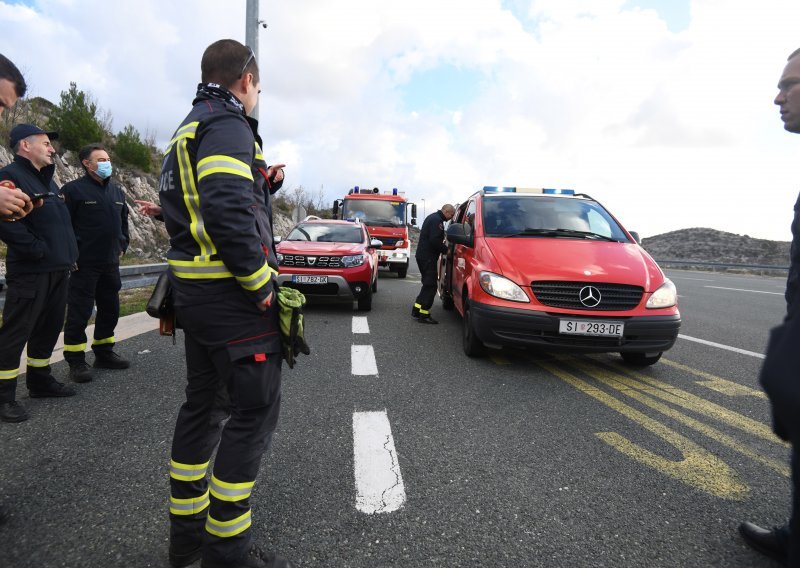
x=103 y=170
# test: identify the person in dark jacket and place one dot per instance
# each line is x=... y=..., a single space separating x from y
x=100 y=219
x=14 y=203
x=41 y=251
x=215 y=198
x=431 y=244
x=783 y=543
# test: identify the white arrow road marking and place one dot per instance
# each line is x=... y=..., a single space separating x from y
x=360 y=324
x=379 y=484
x=362 y=360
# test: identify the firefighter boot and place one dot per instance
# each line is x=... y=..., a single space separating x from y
x=78 y=369
x=415 y=311
x=255 y=558
x=12 y=412
x=42 y=384
x=110 y=360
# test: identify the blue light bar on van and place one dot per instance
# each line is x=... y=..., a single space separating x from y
x=394 y=191
x=541 y=190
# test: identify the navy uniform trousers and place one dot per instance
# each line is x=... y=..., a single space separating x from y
x=33 y=313
x=88 y=285
x=227 y=342
x=424 y=301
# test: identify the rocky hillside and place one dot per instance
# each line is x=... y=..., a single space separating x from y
x=710 y=245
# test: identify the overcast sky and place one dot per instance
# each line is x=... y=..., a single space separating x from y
x=660 y=109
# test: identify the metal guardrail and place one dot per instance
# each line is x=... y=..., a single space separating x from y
x=132 y=275
x=722 y=265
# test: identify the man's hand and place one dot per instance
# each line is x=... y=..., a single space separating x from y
x=147 y=208
x=267 y=302
x=275 y=173
x=14 y=203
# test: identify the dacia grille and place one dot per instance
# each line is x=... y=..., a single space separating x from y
x=612 y=297
x=311 y=261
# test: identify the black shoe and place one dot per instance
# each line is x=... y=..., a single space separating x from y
x=255 y=558
x=426 y=319
x=767 y=542
x=80 y=373
x=181 y=558
x=415 y=312
x=13 y=412
x=54 y=390
x=110 y=360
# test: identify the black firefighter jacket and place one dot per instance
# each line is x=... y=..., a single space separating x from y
x=431 y=237
x=43 y=241
x=215 y=200
x=99 y=218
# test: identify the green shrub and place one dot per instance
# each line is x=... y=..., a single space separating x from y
x=75 y=119
x=130 y=149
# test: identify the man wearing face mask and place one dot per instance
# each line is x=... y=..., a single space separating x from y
x=100 y=220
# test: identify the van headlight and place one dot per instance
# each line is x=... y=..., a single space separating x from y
x=665 y=297
x=355 y=260
x=503 y=288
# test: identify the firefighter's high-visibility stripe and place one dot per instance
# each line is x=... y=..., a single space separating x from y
x=38 y=362
x=259 y=155
x=101 y=341
x=422 y=311
x=199 y=269
x=192 y=201
x=188 y=506
x=225 y=491
x=418 y=306
x=75 y=348
x=8 y=374
x=227 y=529
x=257 y=279
x=219 y=164
x=187 y=472
x=185 y=131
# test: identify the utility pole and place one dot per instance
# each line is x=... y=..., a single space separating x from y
x=251 y=36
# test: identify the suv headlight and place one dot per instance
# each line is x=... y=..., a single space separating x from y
x=355 y=260
x=500 y=287
x=280 y=258
x=665 y=297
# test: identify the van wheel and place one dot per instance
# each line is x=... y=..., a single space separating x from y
x=641 y=359
x=471 y=344
x=401 y=271
x=447 y=302
x=365 y=302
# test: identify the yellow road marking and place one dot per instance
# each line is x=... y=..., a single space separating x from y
x=692 y=402
x=499 y=360
x=630 y=388
x=698 y=468
x=716 y=383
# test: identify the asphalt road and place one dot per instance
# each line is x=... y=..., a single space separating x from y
x=516 y=459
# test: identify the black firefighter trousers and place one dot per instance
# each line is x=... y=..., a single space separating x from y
x=88 y=285
x=33 y=314
x=424 y=301
x=227 y=342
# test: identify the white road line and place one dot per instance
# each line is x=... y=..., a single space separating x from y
x=379 y=484
x=721 y=346
x=698 y=279
x=743 y=290
x=360 y=324
x=362 y=360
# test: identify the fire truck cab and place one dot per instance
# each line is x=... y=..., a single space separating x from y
x=386 y=216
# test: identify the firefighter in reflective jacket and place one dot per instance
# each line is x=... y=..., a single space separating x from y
x=215 y=197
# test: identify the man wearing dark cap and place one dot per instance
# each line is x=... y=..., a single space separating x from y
x=41 y=251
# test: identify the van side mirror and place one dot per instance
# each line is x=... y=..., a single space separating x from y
x=335 y=208
x=413 y=210
x=457 y=233
x=277 y=239
x=375 y=243
x=414 y=221
x=635 y=236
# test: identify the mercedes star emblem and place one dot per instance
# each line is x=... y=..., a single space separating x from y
x=589 y=296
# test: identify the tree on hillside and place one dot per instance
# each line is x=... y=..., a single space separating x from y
x=130 y=149
x=76 y=119
x=286 y=200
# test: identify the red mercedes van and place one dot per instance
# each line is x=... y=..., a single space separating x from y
x=551 y=268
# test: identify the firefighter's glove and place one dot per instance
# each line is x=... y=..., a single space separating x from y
x=290 y=317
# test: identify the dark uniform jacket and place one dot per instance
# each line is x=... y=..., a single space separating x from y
x=431 y=237
x=793 y=281
x=99 y=218
x=215 y=200
x=43 y=241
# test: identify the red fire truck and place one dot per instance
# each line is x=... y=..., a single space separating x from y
x=386 y=218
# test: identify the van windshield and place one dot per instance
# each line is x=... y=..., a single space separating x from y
x=525 y=216
x=375 y=212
